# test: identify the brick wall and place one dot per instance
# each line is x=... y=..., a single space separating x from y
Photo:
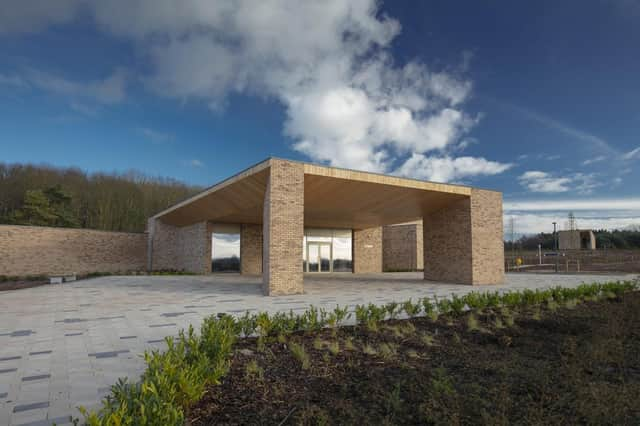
x=402 y=247
x=463 y=243
x=39 y=250
x=367 y=250
x=186 y=248
x=283 y=229
x=251 y=249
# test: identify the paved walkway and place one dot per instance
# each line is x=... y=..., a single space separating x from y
x=64 y=345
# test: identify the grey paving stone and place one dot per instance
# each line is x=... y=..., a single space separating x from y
x=127 y=337
x=40 y=352
x=3 y=395
x=109 y=354
x=21 y=333
x=7 y=370
x=73 y=334
x=36 y=377
x=162 y=325
x=10 y=358
x=58 y=421
x=30 y=406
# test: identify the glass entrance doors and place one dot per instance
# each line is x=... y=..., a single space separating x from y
x=318 y=257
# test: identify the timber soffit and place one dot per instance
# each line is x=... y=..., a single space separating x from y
x=335 y=172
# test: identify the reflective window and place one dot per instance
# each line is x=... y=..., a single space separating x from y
x=327 y=250
x=225 y=248
x=342 y=254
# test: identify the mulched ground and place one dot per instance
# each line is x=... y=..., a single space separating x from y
x=575 y=364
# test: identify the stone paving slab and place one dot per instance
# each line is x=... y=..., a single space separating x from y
x=62 y=346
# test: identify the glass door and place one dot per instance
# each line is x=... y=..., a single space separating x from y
x=318 y=257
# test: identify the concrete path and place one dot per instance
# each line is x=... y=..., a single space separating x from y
x=64 y=345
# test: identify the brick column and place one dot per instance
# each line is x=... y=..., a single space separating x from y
x=463 y=243
x=251 y=249
x=367 y=250
x=283 y=229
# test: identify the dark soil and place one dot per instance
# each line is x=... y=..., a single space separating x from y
x=19 y=284
x=571 y=365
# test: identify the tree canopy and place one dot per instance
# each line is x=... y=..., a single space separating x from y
x=69 y=197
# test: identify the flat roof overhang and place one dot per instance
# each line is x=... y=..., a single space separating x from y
x=333 y=197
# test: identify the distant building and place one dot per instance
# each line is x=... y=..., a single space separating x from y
x=577 y=240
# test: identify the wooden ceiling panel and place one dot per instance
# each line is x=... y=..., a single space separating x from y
x=333 y=198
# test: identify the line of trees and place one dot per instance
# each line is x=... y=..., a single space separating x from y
x=69 y=197
x=618 y=239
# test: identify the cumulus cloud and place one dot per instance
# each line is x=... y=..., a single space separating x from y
x=27 y=16
x=538 y=181
x=347 y=102
x=446 y=169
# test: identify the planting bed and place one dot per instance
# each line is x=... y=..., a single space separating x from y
x=550 y=364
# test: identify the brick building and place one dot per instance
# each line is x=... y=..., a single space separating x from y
x=284 y=218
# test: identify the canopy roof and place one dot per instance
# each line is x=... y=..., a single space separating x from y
x=333 y=197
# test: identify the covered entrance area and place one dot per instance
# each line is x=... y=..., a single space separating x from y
x=291 y=219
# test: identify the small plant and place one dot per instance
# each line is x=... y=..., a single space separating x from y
x=253 y=370
x=408 y=328
x=411 y=353
x=428 y=339
x=411 y=309
x=497 y=323
x=369 y=350
x=348 y=344
x=318 y=344
x=393 y=309
x=300 y=354
x=472 y=323
x=387 y=350
x=334 y=348
x=536 y=315
x=509 y=320
x=458 y=305
x=441 y=383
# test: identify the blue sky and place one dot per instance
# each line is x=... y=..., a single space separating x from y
x=540 y=100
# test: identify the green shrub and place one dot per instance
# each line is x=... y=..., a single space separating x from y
x=411 y=309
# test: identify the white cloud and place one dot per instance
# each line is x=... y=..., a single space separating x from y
x=538 y=181
x=192 y=163
x=27 y=16
x=347 y=102
x=594 y=160
x=155 y=136
x=108 y=91
x=632 y=155
x=447 y=169
x=556 y=205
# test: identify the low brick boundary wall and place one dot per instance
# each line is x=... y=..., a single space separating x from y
x=40 y=250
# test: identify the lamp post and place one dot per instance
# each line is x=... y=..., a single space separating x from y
x=555 y=244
